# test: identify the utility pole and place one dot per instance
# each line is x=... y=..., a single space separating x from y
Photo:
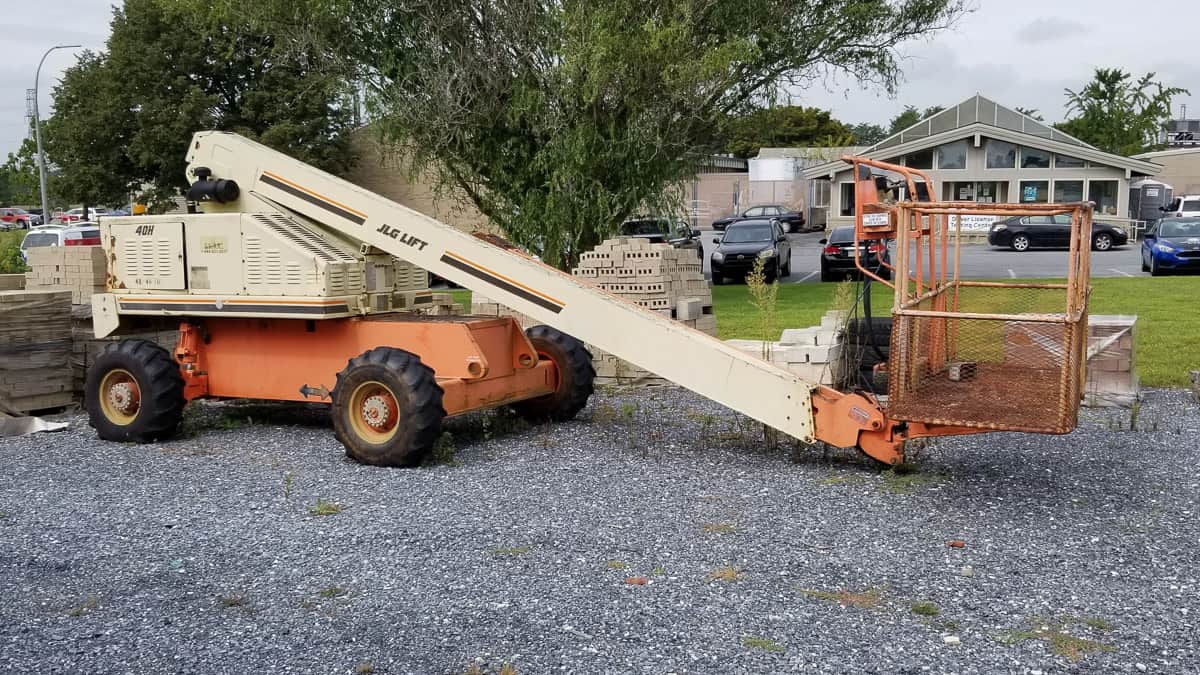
x=37 y=124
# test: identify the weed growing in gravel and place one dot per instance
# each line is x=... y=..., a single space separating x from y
x=1134 y=411
x=332 y=592
x=89 y=603
x=756 y=642
x=287 y=485
x=658 y=571
x=444 y=451
x=365 y=668
x=515 y=550
x=948 y=625
x=233 y=600
x=616 y=565
x=1053 y=633
x=843 y=479
x=925 y=608
x=324 y=508
x=904 y=479
x=1098 y=622
x=604 y=413
x=868 y=599
x=505 y=669
x=503 y=422
x=723 y=574
x=719 y=528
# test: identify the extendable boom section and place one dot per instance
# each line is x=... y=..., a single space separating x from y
x=270 y=181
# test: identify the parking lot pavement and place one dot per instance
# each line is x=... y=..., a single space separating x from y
x=979 y=261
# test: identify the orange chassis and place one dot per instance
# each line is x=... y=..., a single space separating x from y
x=480 y=362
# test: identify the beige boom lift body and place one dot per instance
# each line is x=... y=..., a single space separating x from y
x=296 y=285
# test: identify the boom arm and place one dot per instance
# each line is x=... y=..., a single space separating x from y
x=271 y=181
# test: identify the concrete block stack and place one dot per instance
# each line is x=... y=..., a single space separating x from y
x=655 y=276
x=35 y=343
x=1111 y=376
x=811 y=353
x=441 y=304
x=78 y=269
x=12 y=282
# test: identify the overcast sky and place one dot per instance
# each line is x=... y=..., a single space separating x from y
x=1016 y=52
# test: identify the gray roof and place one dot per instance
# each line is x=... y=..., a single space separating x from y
x=825 y=154
x=978 y=115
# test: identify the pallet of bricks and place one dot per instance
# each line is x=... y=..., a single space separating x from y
x=78 y=269
x=657 y=277
x=35 y=343
x=812 y=353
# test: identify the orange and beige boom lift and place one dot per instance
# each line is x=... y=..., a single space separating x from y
x=295 y=285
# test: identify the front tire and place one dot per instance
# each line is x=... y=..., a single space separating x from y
x=1019 y=243
x=1154 y=269
x=134 y=393
x=1102 y=242
x=576 y=377
x=387 y=408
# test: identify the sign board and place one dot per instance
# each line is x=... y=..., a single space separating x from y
x=974 y=223
x=1150 y=192
x=875 y=220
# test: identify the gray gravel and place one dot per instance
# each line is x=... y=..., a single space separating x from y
x=200 y=555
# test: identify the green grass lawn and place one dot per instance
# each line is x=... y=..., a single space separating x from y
x=1168 y=327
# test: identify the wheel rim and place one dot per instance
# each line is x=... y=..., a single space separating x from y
x=1103 y=243
x=374 y=412
x=545 y=356
x=1020 y=243
x=120 y=397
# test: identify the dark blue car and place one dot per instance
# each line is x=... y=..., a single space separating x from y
x=1171 y=244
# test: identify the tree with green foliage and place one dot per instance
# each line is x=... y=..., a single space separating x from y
x=866 y=133
x=783 y=127
x=910 y=116
x=1118 y=114
x=1031 y=113
x=557 y=119
x=123 y=118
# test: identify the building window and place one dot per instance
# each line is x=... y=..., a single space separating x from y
x=1032 y=158
x=1104 y=194
x=952 y=155
x=1068 y=190
x=847 y=202
x=1065 y=162
x=1035 y=191
x=922 y=159
x=820 y=195
x=1000 y=155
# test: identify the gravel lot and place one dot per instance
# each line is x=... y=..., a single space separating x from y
x=201 y=555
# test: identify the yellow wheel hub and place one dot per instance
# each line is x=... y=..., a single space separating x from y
x=120 y=397
x=374 y=413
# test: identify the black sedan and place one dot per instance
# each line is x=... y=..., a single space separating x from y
x=837 y=258
x=792 y=221
x=746 y=242
x=1021 y=233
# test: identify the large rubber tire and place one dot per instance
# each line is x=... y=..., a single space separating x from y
x=387 y=408
x=873 y=341
x=576 y=377
x=718 y=280
x=134 y=393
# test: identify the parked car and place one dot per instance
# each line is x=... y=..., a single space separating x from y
x=1020 y=233
x=76 y=215
x=793 y=221
x=12 y=218
x=744 y=243
x=1171 y=244
x=837 y=256
x=660 y=230
x=1182 y=206
x=81 y=234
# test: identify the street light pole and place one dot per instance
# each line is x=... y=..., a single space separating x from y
x=37 y=125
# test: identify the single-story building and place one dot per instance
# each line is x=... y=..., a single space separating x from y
x=981 y=151
x=1181 y=168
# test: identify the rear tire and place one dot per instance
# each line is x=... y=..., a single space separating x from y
x=870 y=340
x=576 y=377
x=718 y=280
x=1145 y=267
x=387 y=408
x=134 y=393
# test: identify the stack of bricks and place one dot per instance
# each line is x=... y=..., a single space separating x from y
x=441 y=304
x=811 y=353
x=85 y=346
x=35 y=343
x=78 y=269
x=1111 y=377
x=12 y=282
x=658 y=277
